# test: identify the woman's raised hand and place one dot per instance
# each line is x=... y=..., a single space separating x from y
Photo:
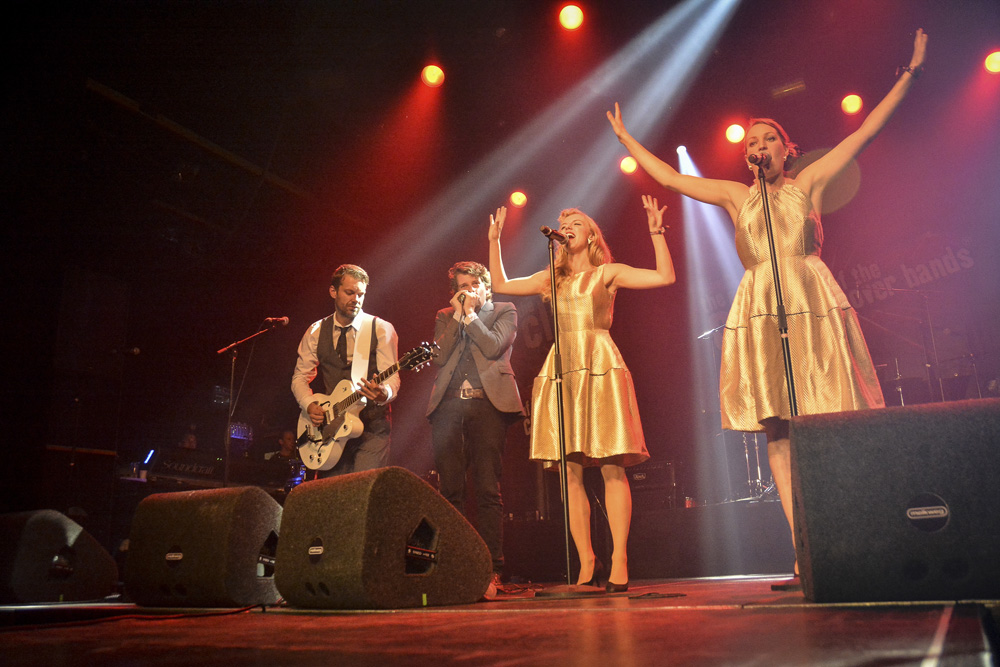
x=919 y=49
x=616 y=122
x=496 y=223
x=654 y=214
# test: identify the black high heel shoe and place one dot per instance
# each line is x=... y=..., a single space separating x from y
x=597 y=576
x=616 y=588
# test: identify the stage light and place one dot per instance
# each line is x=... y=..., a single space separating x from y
x=851 y=104
x=735 y=133
x=682 y=150
x=571 y=17
x=993 y=62
x=432 y=75
x=661 y=63
x=714 y=272
x=628 y=165
x=518 y=199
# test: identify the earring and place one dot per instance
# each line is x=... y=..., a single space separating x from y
x=590 y=240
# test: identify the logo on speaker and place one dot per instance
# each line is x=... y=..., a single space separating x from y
x=315 y=550
x=174 y=555
x=928 y=512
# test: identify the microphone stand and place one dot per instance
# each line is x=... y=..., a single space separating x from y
x=557 y=368
x=231 y=407
x=570 y=589
x=782 y=320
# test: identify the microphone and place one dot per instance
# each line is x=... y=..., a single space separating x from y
x=275 y=321
x=759 y=159
x=461 y=298
x=553 y=235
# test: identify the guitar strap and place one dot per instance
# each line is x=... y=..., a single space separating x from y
x=364 y=348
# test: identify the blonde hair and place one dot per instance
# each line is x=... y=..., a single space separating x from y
x=598 y=251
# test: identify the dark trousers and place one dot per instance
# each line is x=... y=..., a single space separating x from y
x=368 y=451
x=468 y=437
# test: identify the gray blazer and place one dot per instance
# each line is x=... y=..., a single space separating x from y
x=492 y=336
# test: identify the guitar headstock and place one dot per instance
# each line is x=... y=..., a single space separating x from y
x=418 y=357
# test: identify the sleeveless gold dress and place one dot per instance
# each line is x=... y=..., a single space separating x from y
x=831 y=367
x=601 y=416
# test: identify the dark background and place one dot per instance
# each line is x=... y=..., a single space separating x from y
x=174 y=172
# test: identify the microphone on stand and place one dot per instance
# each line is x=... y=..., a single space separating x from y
x=553 y=235
x=275 y=321
x=760 y=159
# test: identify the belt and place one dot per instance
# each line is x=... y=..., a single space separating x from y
x=465 y=393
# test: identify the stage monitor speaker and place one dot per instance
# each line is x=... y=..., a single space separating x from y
x=47 y=557
x=898 y=504
x=381 y=539
x=206 y=548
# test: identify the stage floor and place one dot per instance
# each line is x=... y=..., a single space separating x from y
x=704 y=621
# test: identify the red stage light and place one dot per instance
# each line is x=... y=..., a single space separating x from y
x=518 y=199
x=571 y=17
x=735 y=133
x=993 y=62
x=851 y=104
x=432 y=75
x=627 y=165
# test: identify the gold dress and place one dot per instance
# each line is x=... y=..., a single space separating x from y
x=831 y=367
x=601 y=416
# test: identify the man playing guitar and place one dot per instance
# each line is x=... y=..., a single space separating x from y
x=354 y=346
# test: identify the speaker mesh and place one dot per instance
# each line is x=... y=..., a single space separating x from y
x=898 y=504
x=381 y=539
x=203 y=549
x=47 y=557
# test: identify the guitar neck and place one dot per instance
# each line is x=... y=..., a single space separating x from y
x=379 y=379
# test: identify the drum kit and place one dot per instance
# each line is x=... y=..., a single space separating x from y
x=922 y=360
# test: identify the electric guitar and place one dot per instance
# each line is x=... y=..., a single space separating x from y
x=321 y=447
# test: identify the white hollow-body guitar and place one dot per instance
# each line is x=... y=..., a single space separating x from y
x=321 y=447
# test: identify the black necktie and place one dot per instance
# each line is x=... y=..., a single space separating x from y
x=342 y=343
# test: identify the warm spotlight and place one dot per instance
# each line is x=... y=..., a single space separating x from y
x=432 y=75
x=518 y=199
x=571 y=17
x=993 y=62
x=627 y=165
x=851 y=104
x=735 y=133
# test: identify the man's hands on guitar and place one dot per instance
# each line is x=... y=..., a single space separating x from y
x=373 y=392
x=316 y=414
x=367 y=388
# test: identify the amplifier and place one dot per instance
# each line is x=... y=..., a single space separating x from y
x=654 y=483
x=188 y=466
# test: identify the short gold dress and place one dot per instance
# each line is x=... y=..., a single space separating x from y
x=601 y=415
x=831 y=366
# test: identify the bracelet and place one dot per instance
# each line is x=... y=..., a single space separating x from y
x=915 y=72
x=658 y=231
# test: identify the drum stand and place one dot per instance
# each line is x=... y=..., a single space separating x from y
x=898 y=381
x=755 y=484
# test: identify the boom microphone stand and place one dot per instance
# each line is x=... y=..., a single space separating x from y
x=269 y=324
